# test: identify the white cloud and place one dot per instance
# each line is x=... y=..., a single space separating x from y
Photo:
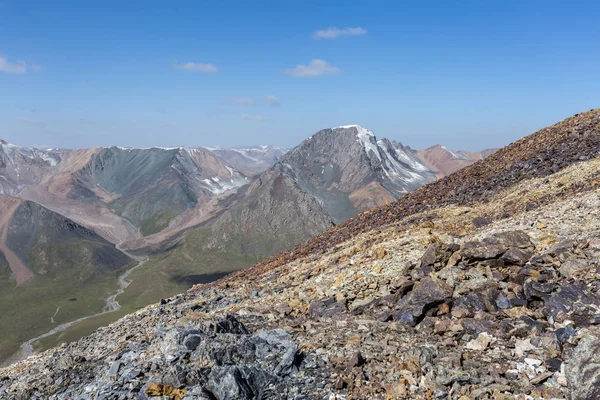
x=241 y=101
x=18 y=67
x=196 y=67
x=272 y=101
x=315 y=68
x=334 y=33
x=253 y=117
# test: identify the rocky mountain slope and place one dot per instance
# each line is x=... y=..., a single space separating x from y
x=481 y=285
x=349 y=170
x=444 y=161
x=122 y=194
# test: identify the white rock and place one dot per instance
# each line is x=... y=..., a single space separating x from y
x=532 y=362
x=481 y=342
x=521 y=346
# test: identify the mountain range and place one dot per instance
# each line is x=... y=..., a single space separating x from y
x=188 y=214
x=482 y=284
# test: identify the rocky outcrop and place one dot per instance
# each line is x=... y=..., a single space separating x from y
x=583 y=369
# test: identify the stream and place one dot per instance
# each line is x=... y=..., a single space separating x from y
x=112 y=305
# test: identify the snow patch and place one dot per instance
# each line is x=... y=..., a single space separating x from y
x=359 y=127
x=367 y=138
x=51 y=160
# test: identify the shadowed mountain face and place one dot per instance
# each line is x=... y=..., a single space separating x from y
x=34 y=233
x=273 y=213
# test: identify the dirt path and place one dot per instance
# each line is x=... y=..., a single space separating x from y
x=55 y=314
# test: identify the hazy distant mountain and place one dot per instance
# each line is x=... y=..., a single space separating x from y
x=444 y=161
x=251 y=160
x=21 y=167
x=121 y=193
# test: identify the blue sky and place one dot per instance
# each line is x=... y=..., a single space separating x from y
x=468 y=74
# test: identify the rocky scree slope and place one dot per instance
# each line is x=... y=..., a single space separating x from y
x=464 y=299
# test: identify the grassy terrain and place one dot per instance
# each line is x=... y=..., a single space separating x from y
x=161 y=277
x=67 y=285
x=79 y=330
x=173 y=272
x=156 y=223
